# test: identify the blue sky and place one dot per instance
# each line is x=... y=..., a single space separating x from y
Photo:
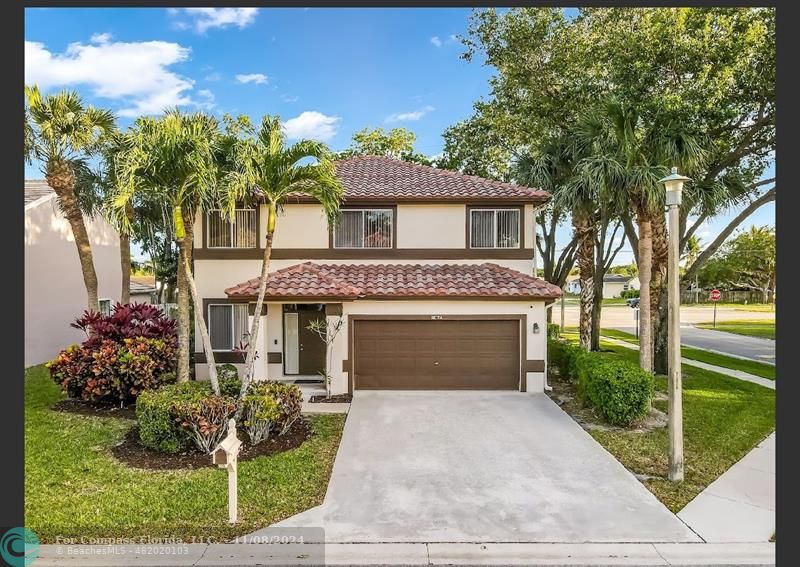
x=327 y=72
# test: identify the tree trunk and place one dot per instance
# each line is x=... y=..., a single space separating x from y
x=645 y=267
x=262 y=290
x=206 y=338
x=62 y=179
x=184 y=305
x=125 y=265
x=583 y=229
x=125 y=259
x=597 y=308
x=658 y=292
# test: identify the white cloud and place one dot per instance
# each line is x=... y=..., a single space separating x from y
x=213 y=76
x=313 y=125
x=208 y=101
x=204 y=19
x=287 y=98
x=436 y=41
x=410 y=116
x=257 y=78
x=100 y=38
x=136 y=74
x=453 y=37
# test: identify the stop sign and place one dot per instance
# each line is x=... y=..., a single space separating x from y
x=715 y=295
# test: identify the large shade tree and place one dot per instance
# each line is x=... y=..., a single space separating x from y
x=62 y=134
x=175 y=160
x=262 y=168
x=711 y=69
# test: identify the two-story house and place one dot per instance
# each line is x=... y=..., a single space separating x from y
x=430 y=271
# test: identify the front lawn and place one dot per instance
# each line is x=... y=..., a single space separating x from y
x=74 y=487
x=750 y=366
x=724 y=418
x=761 y=329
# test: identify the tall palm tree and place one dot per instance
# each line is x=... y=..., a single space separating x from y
x=636 y=153
x=173 y=160
x=553 y=168
x=61 y=133
x=263 y=168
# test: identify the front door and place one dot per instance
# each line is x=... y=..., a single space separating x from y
x=311 y=346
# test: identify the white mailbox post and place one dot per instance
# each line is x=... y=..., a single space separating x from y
x=226 y=456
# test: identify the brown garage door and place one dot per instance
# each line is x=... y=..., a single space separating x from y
x=436 y=354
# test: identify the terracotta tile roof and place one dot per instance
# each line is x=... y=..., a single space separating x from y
x=379 y=178
x=36 y=189
x=370 y=281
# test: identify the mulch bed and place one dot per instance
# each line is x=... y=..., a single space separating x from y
x=337 y=399
x=132 y=453
x=101 y=410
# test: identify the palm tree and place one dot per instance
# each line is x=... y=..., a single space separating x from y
x=636 y=153
x=553 y=169
x=263 y=168
x=62 y=133
x=174 y=161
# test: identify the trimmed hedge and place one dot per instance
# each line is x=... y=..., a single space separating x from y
x=619 y=390
x=158 y=429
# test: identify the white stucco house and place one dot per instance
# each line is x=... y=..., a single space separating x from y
x=615 y=284
x=54 y=291
x=430 y=271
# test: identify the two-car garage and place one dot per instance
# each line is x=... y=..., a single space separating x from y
x=426 y=353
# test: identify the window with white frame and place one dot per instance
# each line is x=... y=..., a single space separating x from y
x=364 y=228
x=239 y=232
x=227 y=325
x=494 y=228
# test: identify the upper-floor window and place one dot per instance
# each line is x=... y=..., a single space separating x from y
x=105 y=306
x=227 y=325
x=222 y=232
x=494 y=228
x=364 y=228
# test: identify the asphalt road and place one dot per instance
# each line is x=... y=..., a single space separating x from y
x=622 y=317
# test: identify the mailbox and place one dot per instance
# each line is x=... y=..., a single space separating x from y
x=225 y=456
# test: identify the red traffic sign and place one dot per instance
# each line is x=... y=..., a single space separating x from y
x=715 y=295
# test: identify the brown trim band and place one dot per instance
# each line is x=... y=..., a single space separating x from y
x=301 y=254
x=220 y=357
x=345 y=365
x=274 y=358
x=333 y=309
x=533 y=366
x=430 y=200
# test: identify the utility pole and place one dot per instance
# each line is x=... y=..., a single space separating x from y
x=674 y=186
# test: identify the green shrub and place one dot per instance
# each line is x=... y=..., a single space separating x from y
x=158 y=429
x=227 y=371
x=553 y=331
x=289 y=398
x=205 y=418
x=619 y=390
x=629 y=293
x=261 y=412
x=230 y=386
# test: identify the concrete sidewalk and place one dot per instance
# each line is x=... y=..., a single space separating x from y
x=739 y=374
x=740 y=504
x=228 y=555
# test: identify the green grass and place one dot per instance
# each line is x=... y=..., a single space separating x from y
x=614 y=301
x=761 y=329
x=74 y=487
x=723 y=419
x=749 y=366
x=753 y=307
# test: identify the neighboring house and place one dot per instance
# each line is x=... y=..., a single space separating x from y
x=573 y=285
x=615 y=284
x=143 y=289
x=430 y=270
x=54 y=291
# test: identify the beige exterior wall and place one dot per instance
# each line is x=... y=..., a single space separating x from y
x=300 y=226
x=54 y=291
x=431 y=226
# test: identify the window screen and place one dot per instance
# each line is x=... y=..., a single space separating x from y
x=239 y=233
x=227 y=325
x=364 y=228
x=494 y=228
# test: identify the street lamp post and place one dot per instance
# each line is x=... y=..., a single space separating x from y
x=674 y=185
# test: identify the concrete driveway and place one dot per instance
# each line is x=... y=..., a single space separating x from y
x=480 y=467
